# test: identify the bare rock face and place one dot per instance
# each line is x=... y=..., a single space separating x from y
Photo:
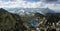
x=10 y=22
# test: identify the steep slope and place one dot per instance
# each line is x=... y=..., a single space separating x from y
x=10 y=22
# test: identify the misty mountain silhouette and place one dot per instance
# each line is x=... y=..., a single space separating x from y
x=50 y=11
x=3 y=10
x=46 y=10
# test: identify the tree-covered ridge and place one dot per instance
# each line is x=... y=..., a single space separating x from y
x=10 y=22
x=6 y=21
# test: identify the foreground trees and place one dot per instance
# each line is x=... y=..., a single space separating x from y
x=53 y=18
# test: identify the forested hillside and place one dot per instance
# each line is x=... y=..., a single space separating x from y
x=10 y=22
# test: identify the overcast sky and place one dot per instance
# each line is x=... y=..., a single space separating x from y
x=52 y=4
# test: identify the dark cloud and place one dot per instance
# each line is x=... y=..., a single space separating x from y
x=51 y=0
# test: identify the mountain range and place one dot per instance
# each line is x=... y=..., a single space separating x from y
x=39 y=10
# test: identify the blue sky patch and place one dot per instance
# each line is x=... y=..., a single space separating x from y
x=32 y=0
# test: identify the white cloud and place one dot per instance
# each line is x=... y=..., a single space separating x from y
x=23 y=4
